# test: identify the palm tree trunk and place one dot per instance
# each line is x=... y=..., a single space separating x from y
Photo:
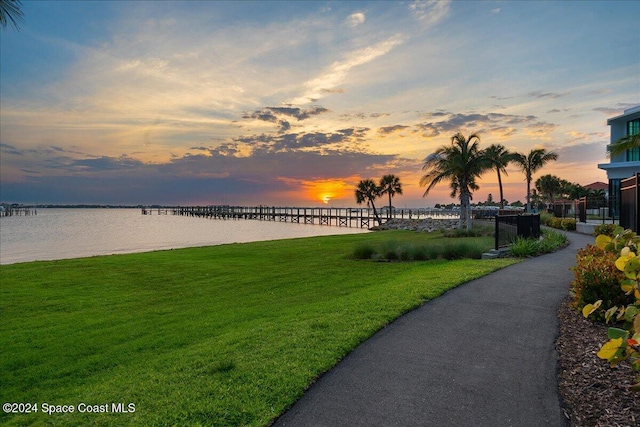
x=501 y=195
x=464 y=209
x=375 y=213
x=528 y=196
x=389 y=213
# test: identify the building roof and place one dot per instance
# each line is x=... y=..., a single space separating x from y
x=597 y=186
x=627 y=112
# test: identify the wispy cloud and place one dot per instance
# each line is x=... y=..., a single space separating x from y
x=356 y=19
x=430 y=12
x=337 y=73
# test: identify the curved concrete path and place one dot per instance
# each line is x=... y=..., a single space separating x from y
x=483 y=354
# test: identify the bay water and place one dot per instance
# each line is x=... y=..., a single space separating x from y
x=72 y=233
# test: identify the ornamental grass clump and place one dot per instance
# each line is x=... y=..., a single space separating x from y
x=403 y=251
x=525 y=248
x=624 y=341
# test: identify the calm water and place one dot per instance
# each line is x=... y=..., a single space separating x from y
x=72 y=233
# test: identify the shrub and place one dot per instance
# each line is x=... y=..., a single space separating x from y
x=363 y=251
x=524 y=248
x=405 y=252
x=550 y=242
x=624 y=342
x=475 y=250
x=597 y=278
x=420 y=253
x=606 y=229
x=546 y=217
x=477 y=231
x=568 y=224
x=390 y=250
x=398 y=251
x=555 y=222
x=453 y=251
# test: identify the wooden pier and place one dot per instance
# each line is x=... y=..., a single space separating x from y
x=11 y=210
x=338 y=217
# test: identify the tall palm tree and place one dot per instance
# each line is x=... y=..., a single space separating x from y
x=499 y=157
x=10 y=12
x=368 y=191
x=460 y=163
x=531 y=163
x=623 y=144
x=391 y=185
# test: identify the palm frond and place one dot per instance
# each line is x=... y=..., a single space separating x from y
x=11 y=12
x=623 y=144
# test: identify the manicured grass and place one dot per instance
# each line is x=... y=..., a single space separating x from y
x=225 y=335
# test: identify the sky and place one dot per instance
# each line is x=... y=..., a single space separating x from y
x=293 y=103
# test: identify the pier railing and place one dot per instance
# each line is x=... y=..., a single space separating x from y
x=13 y=210
x=340 y=217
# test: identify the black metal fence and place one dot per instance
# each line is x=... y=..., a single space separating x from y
x=630 y=203
x=510 y=227
x=592 y=206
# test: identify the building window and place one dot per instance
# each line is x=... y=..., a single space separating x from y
x=633 y=128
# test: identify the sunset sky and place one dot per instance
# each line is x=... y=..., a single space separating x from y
x=292 y=103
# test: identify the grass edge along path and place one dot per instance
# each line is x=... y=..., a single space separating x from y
x=222 y=335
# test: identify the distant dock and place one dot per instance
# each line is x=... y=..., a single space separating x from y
x=338 y=217
x=13 y=210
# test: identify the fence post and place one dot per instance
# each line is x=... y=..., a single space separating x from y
x=497 y=233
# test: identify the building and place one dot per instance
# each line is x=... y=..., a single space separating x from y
x=597 y=186
x=626 y=164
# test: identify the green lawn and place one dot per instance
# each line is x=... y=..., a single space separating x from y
x=224 y=335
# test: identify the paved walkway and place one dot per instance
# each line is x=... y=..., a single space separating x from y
x=482 y=354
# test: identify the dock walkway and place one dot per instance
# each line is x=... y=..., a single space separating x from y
x=339 y=217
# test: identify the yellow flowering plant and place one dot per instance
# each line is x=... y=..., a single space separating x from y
x=624 y=342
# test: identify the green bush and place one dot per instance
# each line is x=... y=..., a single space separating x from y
x=606 y=229
x=524 y=248
x=477 y=231
x=597 y=278
x=363 y=251
x=546 y=217
x=405 y=252
x=419 y=253
x=550 y=242
x=453 y=251
x=390 y=250
x=555 y=222
x=394 y=251
x=568 y=224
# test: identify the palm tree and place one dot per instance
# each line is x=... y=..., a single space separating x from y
x=499 y=157
x=530 y=164
x=10 y=12
x=367 y=191
x=460 y=163
x=623 y=144
x=391 y=185
x=549 y=186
